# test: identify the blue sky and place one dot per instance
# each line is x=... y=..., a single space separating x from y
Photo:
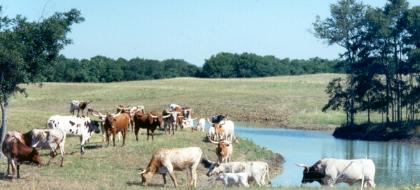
x=189 y=29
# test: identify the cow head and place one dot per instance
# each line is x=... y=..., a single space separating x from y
x=213 y=167
x=35 y=157
x=146 y=176
x=311 y=174
x=93 y=126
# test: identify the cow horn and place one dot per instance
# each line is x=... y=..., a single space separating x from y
x=154 y=116
x=301 y=165
x=166 y=116
x=142 y=172
x=213 y=142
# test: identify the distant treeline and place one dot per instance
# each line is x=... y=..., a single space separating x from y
x=222 y=65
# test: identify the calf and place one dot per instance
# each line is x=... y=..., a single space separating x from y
x=78 y=105
x=16 y=153
x=330 y=171
x=224 y=151
x=75 y=126
x=50 y=138
x=230 y=179
x=170 y=160
x=148 y=121
x=256 y=170
x=116 y=123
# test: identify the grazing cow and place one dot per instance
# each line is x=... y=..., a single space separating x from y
x=116 y=123
x=75 y=126
x=148 y=121
x=50 y=138
x=225 y=130
x=256 y=170
x=230 y=179
x=16 y=153
x=224 y=150
x=78 y=105
x=330 y=171
x=170 y=160
x=201 y=125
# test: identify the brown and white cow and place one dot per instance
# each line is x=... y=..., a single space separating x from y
x=52 y=139
x=16 y=152
x=169 y=160
x=224 y=150
x=78 y=105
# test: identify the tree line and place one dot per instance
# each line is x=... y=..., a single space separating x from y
x=381 y=60
x=222 y=65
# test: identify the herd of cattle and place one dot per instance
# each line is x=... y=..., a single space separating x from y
x=20 y=147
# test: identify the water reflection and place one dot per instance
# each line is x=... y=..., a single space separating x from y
x=396 y=163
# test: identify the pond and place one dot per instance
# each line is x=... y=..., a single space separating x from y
x=397 y=164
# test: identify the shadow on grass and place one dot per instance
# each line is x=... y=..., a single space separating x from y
x=138 y=183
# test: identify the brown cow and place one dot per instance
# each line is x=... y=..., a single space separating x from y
x=16 y=153
x=116 y=123
x=148 y=121
x=224 y=151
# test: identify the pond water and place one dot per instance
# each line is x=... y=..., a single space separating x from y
x=397 y=164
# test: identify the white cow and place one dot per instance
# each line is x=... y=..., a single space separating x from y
x=50 y=138
x=330 y=171
x=230 y=179
x=201 y=125
x=169 y=160
x=75 y=126
x=256 y=170
x=225 y=130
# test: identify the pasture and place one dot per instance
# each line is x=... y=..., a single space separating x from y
x=286 y=101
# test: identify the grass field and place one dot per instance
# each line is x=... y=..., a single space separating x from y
x=286 y=101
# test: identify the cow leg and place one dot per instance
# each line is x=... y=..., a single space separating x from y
x=123 y=134
x=78 y=112
x=13 y=164
x=164 y=179
x=62 y=153
x=8 y=166
x=82 y=145
x=18 y=170
x=136 y=132
x=172 y=175
x=148 y=134
x=113 y=138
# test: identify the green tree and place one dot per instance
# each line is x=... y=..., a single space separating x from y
x=27 y=51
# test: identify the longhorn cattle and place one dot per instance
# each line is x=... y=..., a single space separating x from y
x=50 y=138
x=256 y=170
x=188 y=123
x=102 y=119
x=225 y=130
x=16 y=152
x=237 y=179
x=75 y=126
x=186 y=112
x=148 y=121
x=116 y=123
x=211 y=134
x=170 y=120
x=170 y=160
x=330 y=171
x=224 y=151
x=78 y=105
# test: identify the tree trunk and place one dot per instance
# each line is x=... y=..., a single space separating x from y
x=3 y=129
